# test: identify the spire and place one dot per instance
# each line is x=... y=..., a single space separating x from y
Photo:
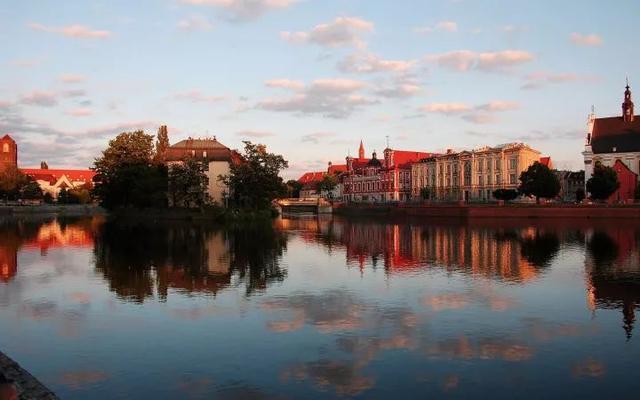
x=361 y=151
x=627 y=105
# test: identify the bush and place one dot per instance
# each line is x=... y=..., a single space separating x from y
x=580 y=195
x=505 y=194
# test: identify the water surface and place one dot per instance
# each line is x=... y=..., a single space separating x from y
x=323 y=308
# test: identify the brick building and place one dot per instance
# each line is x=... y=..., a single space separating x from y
x=8 y=153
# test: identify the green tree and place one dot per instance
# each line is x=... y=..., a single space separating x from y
x=580 y=195
x=64 y=197
x=505 y=194
x=127 y=174
x=327 y=184
x=603 y=182
x=255 y=182
x=293 y=188
x=188 y=184
x=425 y=193
x=539 y=181
x=12 y=180
x=162 y=143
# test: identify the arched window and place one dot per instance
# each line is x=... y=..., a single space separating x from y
x=5 y=148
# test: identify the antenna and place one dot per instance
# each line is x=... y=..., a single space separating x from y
x=593 y=109
x=387 y=141
x=627 y=82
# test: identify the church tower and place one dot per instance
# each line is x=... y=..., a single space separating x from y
x=361 y=151
x=8 y=153
x=627 y=105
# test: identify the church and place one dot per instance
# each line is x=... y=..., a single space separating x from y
x=615 y=142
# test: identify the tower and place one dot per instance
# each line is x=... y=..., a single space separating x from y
x=361 y=151
x=627 y=105
x=8 y=153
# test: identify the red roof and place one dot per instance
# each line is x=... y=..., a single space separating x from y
x=338 y=168
x=614 y=135
x=546 y=161
x=403 y=157
x=74 y=175
x=310 y=177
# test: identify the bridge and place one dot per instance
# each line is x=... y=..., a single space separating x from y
x=304 y=205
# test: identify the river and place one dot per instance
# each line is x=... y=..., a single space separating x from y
x=323 y=307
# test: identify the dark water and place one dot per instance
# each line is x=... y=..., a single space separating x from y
x=324 y=308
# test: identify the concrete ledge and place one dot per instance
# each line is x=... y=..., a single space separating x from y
x=28 y=387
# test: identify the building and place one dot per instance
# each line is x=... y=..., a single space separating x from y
x=570 y=183
x=216 y=157
x=472 y=175
x=310 y=181
x=52 y=181
x=8 y=153
x=380 y=180
x=615 y=139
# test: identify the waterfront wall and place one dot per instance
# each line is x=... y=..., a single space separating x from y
x=492 y=211
x=24 y=384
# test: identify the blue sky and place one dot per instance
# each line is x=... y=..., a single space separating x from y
x=311 y=78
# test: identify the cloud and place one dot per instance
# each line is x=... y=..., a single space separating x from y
x=196 y=96
x=255 y=134
x=242 y=10
x=466 y=60
x=540 y=79
x=79 y=112
x=72 y=78
x=316 y=137
x=443 y=26
x=40 y=98
x=362 y=63
x=446 y=108
x=399 y=90
x=480 y=114
x=285 y=84
x=590 y=40
x=341 y=32
x=73 y=93
x=72 y=31
x=195 y=23
x=332 y=98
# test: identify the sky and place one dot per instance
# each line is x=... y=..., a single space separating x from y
x=311 y=78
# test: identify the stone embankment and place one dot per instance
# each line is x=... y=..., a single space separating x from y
x=16 y=383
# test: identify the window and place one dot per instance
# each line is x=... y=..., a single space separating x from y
x=497 y=179
x=497 y=165
x=513 y=163
x=5 y=148
x=512 y=179
x=488 y=179
x=204 y=154
x=193 y=153
x=480 y=162
x=480 y=181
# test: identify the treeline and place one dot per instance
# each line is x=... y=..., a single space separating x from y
x=133 y=172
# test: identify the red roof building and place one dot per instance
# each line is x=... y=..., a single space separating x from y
x=615 y=142
x=52 y=181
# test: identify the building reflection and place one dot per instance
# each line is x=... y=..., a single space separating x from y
x=41 y=234
x=612 y=265
x=140 y=261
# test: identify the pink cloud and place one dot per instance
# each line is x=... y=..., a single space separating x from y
x=591 y=40
x=40 y=98
x=285 y=84
x=446 y=108
x=244 y=9
x=370 y=63
x=79 y=112
x=196 y=96
x=341 y=32
x=72 y=78
x=255 y=134
x=466 y=60
x=73 y=31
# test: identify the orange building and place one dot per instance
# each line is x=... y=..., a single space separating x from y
x=8 y=153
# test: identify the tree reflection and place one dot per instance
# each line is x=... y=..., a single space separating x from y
x=540 y=249
x=140 y=260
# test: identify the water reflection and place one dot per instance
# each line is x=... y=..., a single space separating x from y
x=140 y=260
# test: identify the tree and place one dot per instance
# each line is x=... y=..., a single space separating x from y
x=44 y=165
x=255 y=182
x=188 y=184
x=539 y=181
x=31 y=190
x=580 y=195
x=64 y=197
x=127 y=174
x=603 y=182
x=327 y=184
x=505 y=194
x=12 y=181
x=425 y=193
x=162 y=143
x=293 y=188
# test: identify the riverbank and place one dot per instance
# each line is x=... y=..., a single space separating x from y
x=492 y=211
x=75 y=210
x=25 y=384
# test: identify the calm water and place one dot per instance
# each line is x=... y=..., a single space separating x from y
x=323 y=308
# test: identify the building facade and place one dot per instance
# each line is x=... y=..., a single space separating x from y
x=472 y=175
x=380 y=180
x=570 y=183
x=216 y=157
x=615 y=139
x=52 y=181
x=8 y=153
